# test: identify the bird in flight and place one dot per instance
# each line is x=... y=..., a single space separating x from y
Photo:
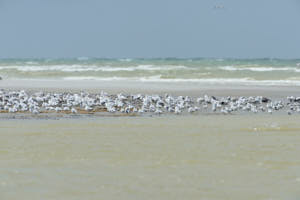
x=219 y=7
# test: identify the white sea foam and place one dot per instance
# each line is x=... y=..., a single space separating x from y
x=85 y=68
x=82 y=78
x=153 y=79
x=259 y=69
x=31 y=63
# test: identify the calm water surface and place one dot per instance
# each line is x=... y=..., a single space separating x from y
x=177 y=157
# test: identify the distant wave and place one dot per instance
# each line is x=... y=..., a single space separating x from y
x=31 y=67
x=169 y=70
x=125 y=59
x=83 y=58
x=73 y=78
x=259 y=69
x=85 y=68
x=31 y=63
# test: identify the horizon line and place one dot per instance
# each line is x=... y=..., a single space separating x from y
x=146 y=58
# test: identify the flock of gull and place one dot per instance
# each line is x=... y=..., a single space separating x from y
x=85 y=103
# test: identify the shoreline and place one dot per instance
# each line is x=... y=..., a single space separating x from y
x=128 y=99
x=183 y=88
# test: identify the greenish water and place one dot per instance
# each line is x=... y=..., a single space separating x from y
x=242 y=71
x=181 y=157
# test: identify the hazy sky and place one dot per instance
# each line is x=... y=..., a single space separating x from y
x=150 y=28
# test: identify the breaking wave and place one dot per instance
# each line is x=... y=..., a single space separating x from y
x=84 y=68
x=169 y=70
x=259 y=69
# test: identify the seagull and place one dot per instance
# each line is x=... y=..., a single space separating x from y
x=219 y=7
x=35 y=111
x=191 y=110
x=21 y=101
x=177 y=110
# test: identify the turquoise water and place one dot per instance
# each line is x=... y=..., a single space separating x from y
x=247 y=71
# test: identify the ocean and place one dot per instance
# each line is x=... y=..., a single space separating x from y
x=204 y=70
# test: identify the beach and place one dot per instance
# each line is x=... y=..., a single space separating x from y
x=149 y=100
x=187 y=156
x=134 y=87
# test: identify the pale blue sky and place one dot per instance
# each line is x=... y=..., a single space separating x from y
x=150 y=28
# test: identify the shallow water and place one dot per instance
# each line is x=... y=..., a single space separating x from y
x=168 y=157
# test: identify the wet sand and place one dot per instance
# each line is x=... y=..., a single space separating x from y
x=127 y=87
x=168 y=157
